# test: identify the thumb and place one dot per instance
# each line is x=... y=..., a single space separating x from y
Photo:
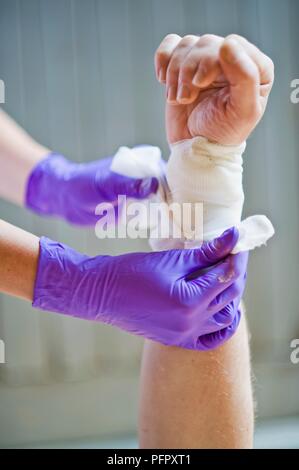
x=213 y=251
x=242 y=75
x=142 y=188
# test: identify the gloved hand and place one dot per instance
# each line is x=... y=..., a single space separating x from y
x=162 y=296
x=72 y=191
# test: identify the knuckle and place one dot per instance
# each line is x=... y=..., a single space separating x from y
x=171 y=36
x=169 y=39
x=209 y=38
x=166 y=46
x=188 y=39
x=235 y=37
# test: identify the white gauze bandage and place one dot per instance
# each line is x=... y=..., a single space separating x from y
x=206 y=172
x=199 y=171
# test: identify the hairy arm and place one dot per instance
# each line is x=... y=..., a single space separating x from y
x=216 y=88
x=19 y=153
x=193 y=399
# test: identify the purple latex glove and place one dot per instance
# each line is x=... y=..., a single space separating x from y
x=72 y=191
x=163 y=296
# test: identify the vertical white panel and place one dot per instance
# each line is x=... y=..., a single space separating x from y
x=222 y=16
x=168 y=17
x=116 y=69
x=282 y=168
x=19 y=324
x=258 y=297
x=25 y=362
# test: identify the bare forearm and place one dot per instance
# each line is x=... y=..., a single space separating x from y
x=19 y=252
x=192 y=399
x=19 y=153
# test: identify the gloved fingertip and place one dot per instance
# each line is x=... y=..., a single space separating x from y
x=147 y=187
x=217 y=338
x=227 y=241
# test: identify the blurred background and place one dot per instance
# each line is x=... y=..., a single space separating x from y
x=79 y=77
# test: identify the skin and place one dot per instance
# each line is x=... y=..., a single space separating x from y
x=233 y=81
x=217 y=88
x=192 y=399
x=189 y=399
x=19 y=153
x=19 y=251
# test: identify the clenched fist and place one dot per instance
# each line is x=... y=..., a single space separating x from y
x=216 y=87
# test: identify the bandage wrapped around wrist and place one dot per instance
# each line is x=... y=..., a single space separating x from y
x=208 y=176
x=200 y=171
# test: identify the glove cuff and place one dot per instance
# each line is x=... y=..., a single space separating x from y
x=58 y=277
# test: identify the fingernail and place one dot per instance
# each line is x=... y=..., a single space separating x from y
x=184 y=92
x=197 y=78
x=148 y=186
x=171 y=93
x=154 y=185
x=228 y=51
x=161 y=75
